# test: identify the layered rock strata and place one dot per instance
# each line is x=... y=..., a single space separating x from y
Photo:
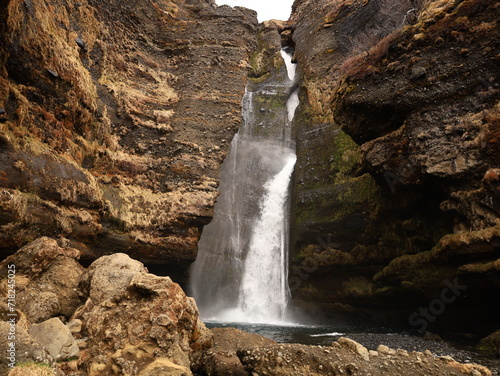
x=114 y=120
x=397 y=174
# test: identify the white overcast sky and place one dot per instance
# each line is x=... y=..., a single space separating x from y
x=266 y=9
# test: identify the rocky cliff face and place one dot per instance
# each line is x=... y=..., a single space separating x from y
x=114 y=120
x=396 y=192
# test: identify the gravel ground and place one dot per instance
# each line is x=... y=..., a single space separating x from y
x=413 y=343
x=371 y=339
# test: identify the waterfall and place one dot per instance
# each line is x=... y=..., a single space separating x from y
x=240 y=274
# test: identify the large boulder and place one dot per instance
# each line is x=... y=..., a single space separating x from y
x=35 y=257
x=46 y=277
x=108 y=276
x=41 y=306
x=222 y=358
x=151 y=318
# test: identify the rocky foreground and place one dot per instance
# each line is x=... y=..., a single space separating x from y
x=117 y=318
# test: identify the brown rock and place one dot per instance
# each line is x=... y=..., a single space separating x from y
x=115 y=141
x=397 y=148
x=37 y=256
x=109 y=276
x=46 y=279
x=161 y=367
x=354 y=346
x=151 y=319
x=299 y=360
x=222 y=358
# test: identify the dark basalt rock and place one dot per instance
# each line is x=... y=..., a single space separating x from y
x=421 y=101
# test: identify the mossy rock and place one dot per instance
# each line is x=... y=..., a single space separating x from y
x=490 y=344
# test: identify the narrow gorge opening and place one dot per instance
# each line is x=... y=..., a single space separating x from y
x=240 y=274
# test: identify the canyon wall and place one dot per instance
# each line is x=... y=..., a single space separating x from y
x=396 y=193
x=114 y=119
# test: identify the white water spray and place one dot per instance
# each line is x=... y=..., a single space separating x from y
x=264 y=291
x=241 y=271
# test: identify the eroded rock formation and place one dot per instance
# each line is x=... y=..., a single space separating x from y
x=115 y=117
x=397 y=173
x=114 y=120
x=121 y=319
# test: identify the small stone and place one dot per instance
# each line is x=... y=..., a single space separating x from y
x=356 y=347
x=20 y=165
x=447 y=358
x=75 y=326
x=2 y=111
x=164 y=366
x=79 y=41
x=82 y=343
x=52 y=73
x=383 y=349
x=418 y=72
x=97 y=368
x=402 y=352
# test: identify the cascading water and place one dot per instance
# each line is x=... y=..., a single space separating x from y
x=240 y=274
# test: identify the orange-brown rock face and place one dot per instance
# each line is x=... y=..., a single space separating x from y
x=114 y=119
